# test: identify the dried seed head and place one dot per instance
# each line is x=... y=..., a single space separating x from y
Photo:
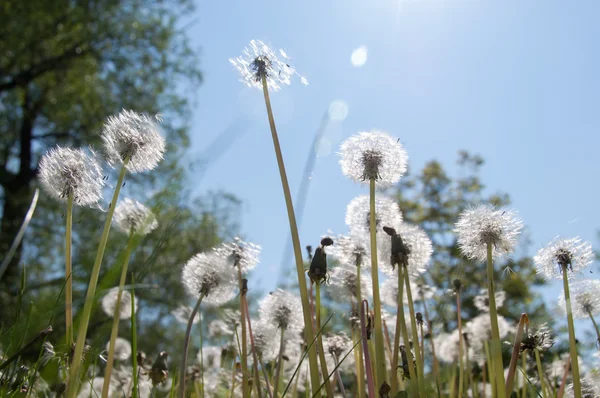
x=209 y=274
x=572 y=254
x=585 y=299
x=482 y=225
x=344 y=284
x=457 y=285
x=182 y=314
x=133 y=136
x=122 y=349
x=240 y=254
x=410 y=244
x=282 y=310
x=109 y=303
x=351 y=250
x=373 y=156
x=133 y=217
x=66 y=171
x=266 y=342
x=482 y=301
x=259 y=60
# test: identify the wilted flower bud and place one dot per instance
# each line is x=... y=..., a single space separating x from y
x=159 y=371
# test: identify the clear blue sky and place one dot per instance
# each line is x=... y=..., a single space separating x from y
x=514 y=81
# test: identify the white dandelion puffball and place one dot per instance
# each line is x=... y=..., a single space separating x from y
x=211 y=357
x=585 y=299
x=122 y=349
x=132 y=216
x=419 y=248
x=182 y=314
x=573 y=254
x=350 y=250
x=133 y=136
x=283 y=310
x=109 y=303
x=479 y=330
x=447 y=346
x=240 y=254
x=259 y=60
x=66 y=171
x=210 y=275
x=93 y=388
x=482 y=225
x=219 y=328
x=482 y=301
x=375 y=156
x=266 y=340
x=343 y=284
x=358 y=213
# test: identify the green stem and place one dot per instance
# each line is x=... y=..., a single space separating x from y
x=436 y=364
x=244 y=353
x=308 y=331
x=524 y=366
x=540 y=370
x=186 y=345
x=201 y=355
x=324 y=370
x=595 y=326
x=415 y=336
x=496 y=348
x=91 y=292
x=116 y=318
x=401 y=320
x=380 y=372
x=358 y=365
x=69 y=272
x=395 y=351
x=460 y=345
x=360 y=376
x=252 y=348
x=572 y=341
x=134 y=340
x=279 y=363
x=490 y=369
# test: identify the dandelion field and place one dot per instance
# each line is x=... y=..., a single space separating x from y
x=360 y=319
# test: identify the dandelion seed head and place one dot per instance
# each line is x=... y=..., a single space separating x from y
x=66 y=171
x=585 y=299
x=482 y=225
x=232 y=317
x=348 y=249
x=573 y=254
x=418 y=246
x=211 y=357
x=447 y=346
x=283 y=310
x=590 y=387
x=266 y=341
x=240 y=254
x=344 y=284
x=219 y=328
x=48 y=353
x=482 y=301
x=93 y=388
x=358 y=213
x=132 y=216
x=182 y=314
x=258 y=60
x=109 y=303
x=133 y=136
x=479 y=330
x=337 y=344
x=373 y=155
x=122 y=349
x=209 y=274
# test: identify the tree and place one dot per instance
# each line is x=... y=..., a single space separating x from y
x=64 y=67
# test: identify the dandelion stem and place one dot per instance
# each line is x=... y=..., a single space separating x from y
x=252 y=347
x=490 y=370
x=380 y=372
x=324 y=370
x=415 y=335
x=360 y=376
x=279 y=362
x=523 y=373
x=572 y=341
x=436 y=364
x=338 y=376
x=134 y=340
x=201 y=355
x=394 y=371
x=460 y=345
x=69 y=272
x=308 y=331
x=358 y=364
x=186 y=345
x=244 y=352
x=595 y=326
x=401 y=325
x=91 y=292
x=364 y=307
x=540 y=370
x=496 y=348
x=116 y=318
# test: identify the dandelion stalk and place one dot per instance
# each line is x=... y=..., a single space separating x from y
x=595 y=325
x=401 y=325
x=91 y=292
x=496 y=348
x=399 y=320
x=69 y=272
x=364 y=308
x=572 y=341
x=436 y=364
x=279 y=362
x=460 y=345
x=134 y=339
x=380 y=372
x=308 y=332
x=324 y=370
x=358 y=364
x=186 y=344
x=523 y=375
x=360 y=375
x=415 y=335
x=244 y=352
x=252 y=346
x=116 y=318
x=540 y=371
x=338 y=376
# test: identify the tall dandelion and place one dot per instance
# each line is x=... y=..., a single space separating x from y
x=263 y=68
x=585 y=301
x=134 y=142
x=374 y=158
x=555 y=261
x=75 y=177
x=484 y=233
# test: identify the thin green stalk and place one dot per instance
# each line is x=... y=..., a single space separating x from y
x=253 y=349
x=523 y=373
x=540 y=371
x=471 y=385
x=201 y=355
x=395 y=352
x=360 y=375
x=91 y=292
x=358 y=365
x=400 y=319
x=244 y=352
x=116 y=318
x=279 y=363
x=460 y=345
x=380 y=371
x=186 y=345
x=324 y=370
x=572 y=341
x=308 y=332
x=453 y=384
x=436 y=364
x=415 y=335
x=69 y=272
x=496 y=348
x=595 y=326
x=338 y=376
x=134 y=340
x=364 y=308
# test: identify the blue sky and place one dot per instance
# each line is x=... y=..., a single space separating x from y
x=514 y=81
